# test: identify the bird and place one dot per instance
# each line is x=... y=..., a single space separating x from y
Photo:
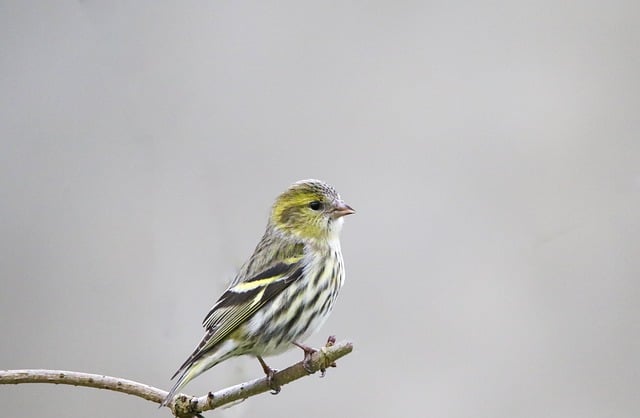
x=284 y=292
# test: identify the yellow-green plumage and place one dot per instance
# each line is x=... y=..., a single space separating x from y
x=285 y=291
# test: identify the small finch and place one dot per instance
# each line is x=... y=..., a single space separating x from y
x=285 y=291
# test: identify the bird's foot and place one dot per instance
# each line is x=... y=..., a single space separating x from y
x=330 y=341
x=308 y=352
x=271 y=374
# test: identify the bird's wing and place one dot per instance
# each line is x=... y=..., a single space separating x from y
x=241 y=301
x=257 y=284
x=244 y=299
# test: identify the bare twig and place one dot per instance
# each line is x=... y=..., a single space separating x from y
x=183 y=405
x=90 y=380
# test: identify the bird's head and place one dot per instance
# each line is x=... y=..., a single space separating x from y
x=310 y=210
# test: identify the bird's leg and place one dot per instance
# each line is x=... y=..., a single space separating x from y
x=308 y=352
x=275 y=387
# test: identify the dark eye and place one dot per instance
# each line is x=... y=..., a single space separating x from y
x=315 y=205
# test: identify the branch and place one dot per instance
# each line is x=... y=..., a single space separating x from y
x=8 y=377
x=184 y=405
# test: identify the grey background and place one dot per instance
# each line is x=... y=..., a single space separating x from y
x=491 y=151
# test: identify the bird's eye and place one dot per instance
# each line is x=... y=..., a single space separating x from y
x=315 y=205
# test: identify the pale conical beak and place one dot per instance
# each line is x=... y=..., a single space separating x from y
x=341 y=209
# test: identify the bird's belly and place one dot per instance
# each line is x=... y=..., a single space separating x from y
x=271 y=345
x=293 y=316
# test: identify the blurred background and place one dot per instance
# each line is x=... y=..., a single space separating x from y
x=491 y=150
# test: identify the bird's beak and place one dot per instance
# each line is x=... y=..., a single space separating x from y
x=341 y=209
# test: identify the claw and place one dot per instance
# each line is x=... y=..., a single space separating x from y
x=270 y=373
x=308 y=352
x=330 y=342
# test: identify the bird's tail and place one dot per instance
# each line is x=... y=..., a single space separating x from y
x=186 y=375
x=198 y=363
